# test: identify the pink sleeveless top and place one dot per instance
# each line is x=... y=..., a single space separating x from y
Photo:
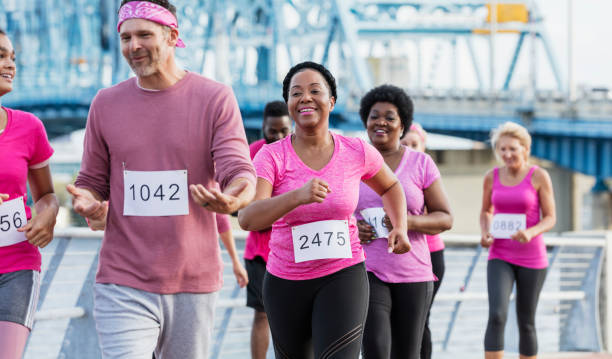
x=434 y=242
x=520 y=199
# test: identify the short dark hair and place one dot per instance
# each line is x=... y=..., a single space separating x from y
x=2 y=32
x=391 y=94
x=275 y=109
x=163 y=3
x=306 y=65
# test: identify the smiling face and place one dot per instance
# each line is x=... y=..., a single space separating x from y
x=146 y=46
x=510 y=150
x=7 y=65
x=309 y=101
x=384 y=125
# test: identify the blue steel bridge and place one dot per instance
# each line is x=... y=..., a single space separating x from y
x=69 y=49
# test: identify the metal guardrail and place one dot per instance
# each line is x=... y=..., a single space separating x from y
x=578 y=260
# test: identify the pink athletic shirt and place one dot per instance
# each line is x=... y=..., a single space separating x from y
x=257 y=242
x=416 y=171
x=353 y=160
x=194 y=125
x=23 y=145
x=522 y=198
x=434 y=242
x=223 y=223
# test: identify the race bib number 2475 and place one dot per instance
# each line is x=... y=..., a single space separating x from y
x=321 y=240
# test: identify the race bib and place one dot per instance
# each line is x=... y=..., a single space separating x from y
x=321 y=240
x=12 y=216
x=374 y=217
x=504 y=225
x=155 y=193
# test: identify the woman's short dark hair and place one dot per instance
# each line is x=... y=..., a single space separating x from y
x=309 y=65
x=163 y=3
x=391 y=94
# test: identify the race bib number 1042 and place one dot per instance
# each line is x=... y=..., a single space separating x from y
x=321 y=240
x=155 y=193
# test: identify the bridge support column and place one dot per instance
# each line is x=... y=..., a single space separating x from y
x=598 y=207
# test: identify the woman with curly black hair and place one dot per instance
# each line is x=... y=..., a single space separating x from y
x=315 y=288
x=401 y=286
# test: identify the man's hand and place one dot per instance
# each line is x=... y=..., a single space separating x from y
x=3 y=197
x=214 y=200
x=85 y=204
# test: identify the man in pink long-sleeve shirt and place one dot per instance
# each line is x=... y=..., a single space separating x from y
x=154 y=146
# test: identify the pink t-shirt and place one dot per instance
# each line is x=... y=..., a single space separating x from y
x=416 y=172
x=223 y=223
x=23 y=145
x=353 y=160
x=257 y=242
x=434 y=242
x=194 y=125
x=522 y=198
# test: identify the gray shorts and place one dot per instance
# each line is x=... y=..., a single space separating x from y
x=19 y=296
x=134 y=324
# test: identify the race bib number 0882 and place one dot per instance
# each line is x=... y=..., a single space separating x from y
x=321 y=240
x=155 y=193
x=504 y=225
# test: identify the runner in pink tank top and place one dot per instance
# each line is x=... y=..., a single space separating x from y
x=517 y=207
x=519 y=199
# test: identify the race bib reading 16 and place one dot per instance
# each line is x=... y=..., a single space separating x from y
x=374 y=217
x=12 y=216
x=504 y=225
x=155 y=193
x=321 y=240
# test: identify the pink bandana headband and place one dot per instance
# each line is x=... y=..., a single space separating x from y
x=415 y=127
x=148 y=11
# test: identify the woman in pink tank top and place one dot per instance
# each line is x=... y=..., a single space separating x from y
x=517 y=207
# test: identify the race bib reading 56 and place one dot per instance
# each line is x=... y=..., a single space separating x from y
x=12 y=216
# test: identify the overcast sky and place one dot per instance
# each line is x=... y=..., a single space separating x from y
x=593 y=38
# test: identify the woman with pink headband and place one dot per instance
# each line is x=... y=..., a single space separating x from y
x=401 y=286
x=25 y=153
x=416 y=138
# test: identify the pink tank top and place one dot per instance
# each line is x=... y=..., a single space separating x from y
x=520 y=199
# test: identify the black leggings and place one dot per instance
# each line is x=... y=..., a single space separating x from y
x=321 y=317
x=396 y=318
x=437 y=265
x=501 y=276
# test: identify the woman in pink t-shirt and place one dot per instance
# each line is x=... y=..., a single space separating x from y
x=401 y=286
x=316 y=288
x=24 y=158
x=416 y=138
x=517 y=207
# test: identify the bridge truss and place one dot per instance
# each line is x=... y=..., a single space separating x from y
x=69 y=49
